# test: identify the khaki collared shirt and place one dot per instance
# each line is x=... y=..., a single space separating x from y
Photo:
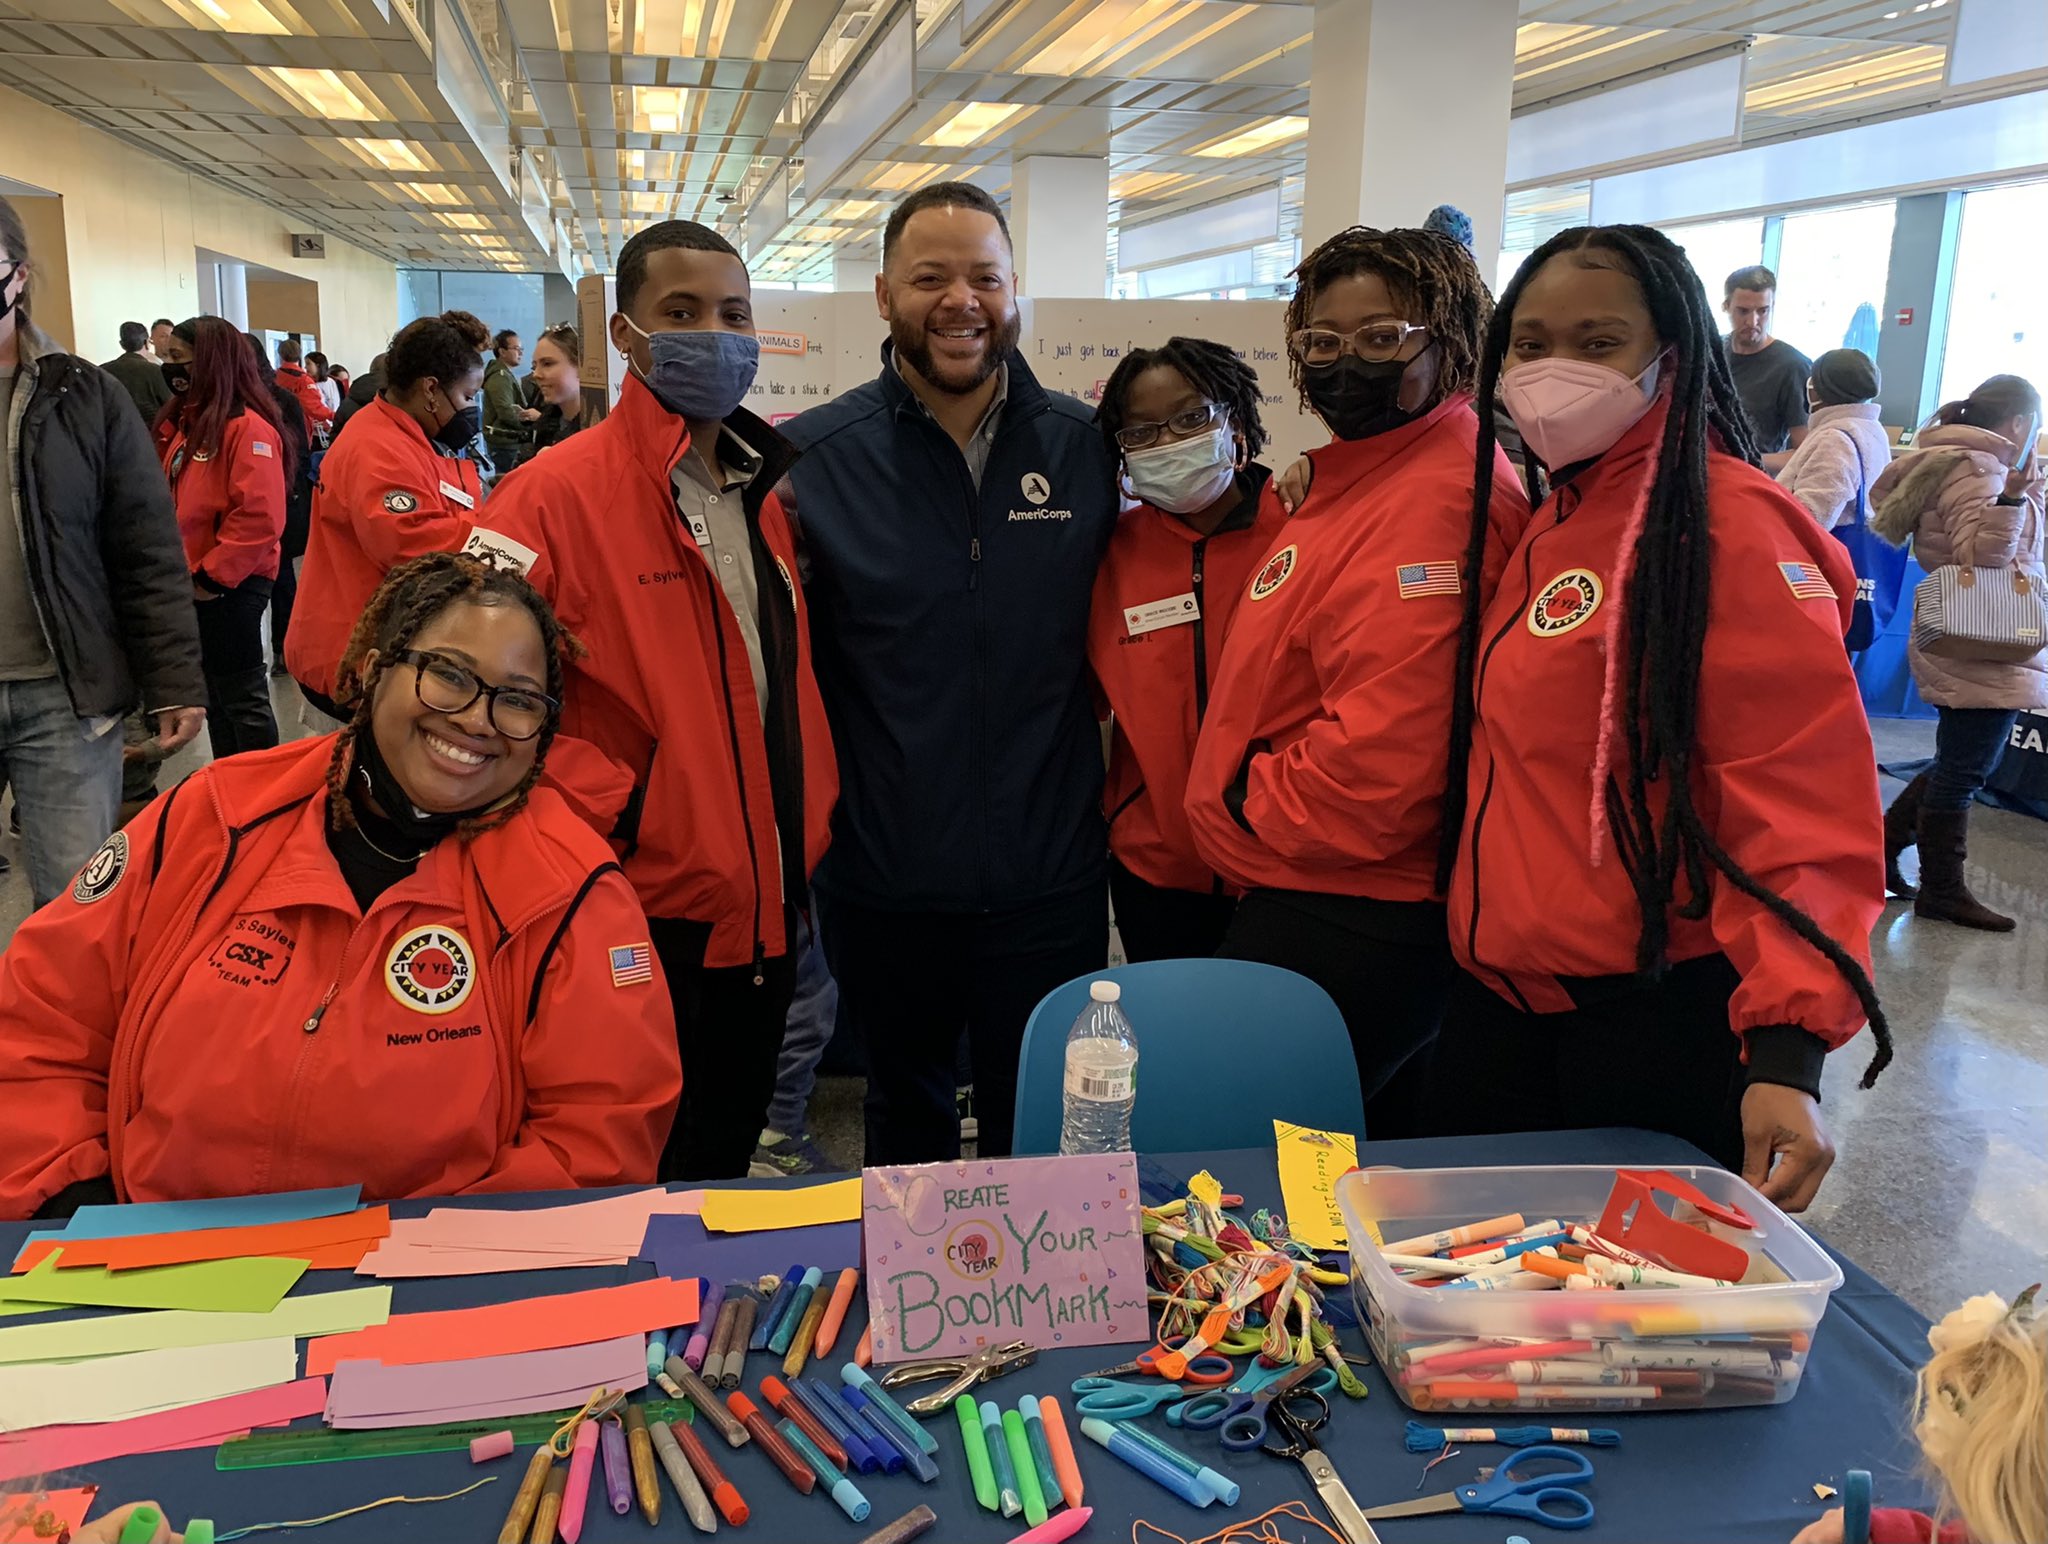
x=717 y=520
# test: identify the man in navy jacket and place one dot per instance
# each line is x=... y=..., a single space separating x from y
x=952 y=513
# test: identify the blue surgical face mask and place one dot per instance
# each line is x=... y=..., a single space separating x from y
x=700 y=375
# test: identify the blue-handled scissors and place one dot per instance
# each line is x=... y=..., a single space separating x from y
x=1244 y=1417
x=1210 y=1407
x=1551 y=1497
x=1116 y=1399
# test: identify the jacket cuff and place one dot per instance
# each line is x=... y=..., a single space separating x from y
x=1240 y=786
x=97 y=1191
x=1786 y=1054
x=206 y=581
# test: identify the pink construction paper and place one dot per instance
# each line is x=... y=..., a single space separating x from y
x=612 y=1226
x=371 y=1388
x=392 y=1260
x=536 y=1404
x=48 y=1449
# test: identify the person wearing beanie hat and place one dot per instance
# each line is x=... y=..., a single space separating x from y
x=1845 y=447
x=1449 y=220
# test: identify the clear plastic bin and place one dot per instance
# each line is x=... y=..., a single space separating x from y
x=1656 y=1349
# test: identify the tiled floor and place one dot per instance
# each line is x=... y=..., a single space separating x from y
x=1941 y=1183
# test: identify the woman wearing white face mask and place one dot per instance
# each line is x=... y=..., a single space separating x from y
x=1184 y=422
x=1663 y=843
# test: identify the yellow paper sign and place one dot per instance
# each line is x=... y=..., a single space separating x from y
x=750 y=1211
x=1204 y=1188
x=1310 y=1161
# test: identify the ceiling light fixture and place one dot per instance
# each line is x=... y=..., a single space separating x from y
x=394 y=155
x=431 y=192
x=658 y=109
x=973 y=123
x=241 y=16
x=322 y=93
x=1260 y=136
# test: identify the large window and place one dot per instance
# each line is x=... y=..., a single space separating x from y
x=1831 y=274
x=1998 y=310
x=1716 y=248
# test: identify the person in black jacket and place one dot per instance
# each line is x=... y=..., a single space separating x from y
x=362 y=391
x=953 y=514
x=142 y=377
x=95 y=598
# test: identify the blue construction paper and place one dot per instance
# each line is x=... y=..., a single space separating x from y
x=222 y=1212
x=680 y=1247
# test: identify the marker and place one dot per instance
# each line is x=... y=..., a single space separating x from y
x=771 y=1316
x=877 y=1424
x=549 y=1513
x=999 y=1457
x=844 y=1492
x=1041 y=1450
x=618 y=1469
x=724 y=1494
x=698 y=1392
x=142 y=1525
x=1471 y=1233
x=785 y=1457
x=520 y=1518
x=712 y=1302
x=696 y=1505
x=721 y=1329
x=1028 y=1488
x=976 y=1445
x=1062 y=1447
x=785 y=1404
x=806 y=1332
x=806 y=1289
x=861 y=1459
x=835 y=1311
x=1145 y=1461
x=657 y=1351
x=879 y=1398
x=736 y=1349
x=640 y=1447
x=827 y=1398
x=1221 y=1486
x=912 y=1524
x=576 y=1494
x=1059 y=1529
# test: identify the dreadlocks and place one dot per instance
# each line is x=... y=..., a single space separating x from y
x=1211 y=368
x=410 y=597
x=1431 y=276
x=1663 y=578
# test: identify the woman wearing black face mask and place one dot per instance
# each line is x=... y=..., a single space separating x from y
x=394 y=489
x=1317 y=782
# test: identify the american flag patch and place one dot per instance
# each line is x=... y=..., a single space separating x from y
x=1427 y=579
x=259 y=448
x=1807 y=581
x=631 y=964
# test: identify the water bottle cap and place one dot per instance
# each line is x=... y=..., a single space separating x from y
x=1104 y=991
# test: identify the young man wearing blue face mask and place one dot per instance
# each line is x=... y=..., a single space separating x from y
x=658 y=538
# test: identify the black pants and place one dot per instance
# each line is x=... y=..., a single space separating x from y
x=1156 y=923
x=282 y=596
x=1386 y=964
x=238 y=716
x=914 y=982
x=1660 y=1057
x=729 y=1031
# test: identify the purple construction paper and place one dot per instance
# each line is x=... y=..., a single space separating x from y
x=483 y=1384
x=536 y=1404
x=981 y=1252
x=680 y=1248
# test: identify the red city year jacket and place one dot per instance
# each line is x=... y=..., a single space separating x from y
x=732 y=809
x=207 y=1012
x=385 y=495
x=1784 y=773
x=230 y=503
x=1331 y=713
x=296 y=380
x=1163 y=602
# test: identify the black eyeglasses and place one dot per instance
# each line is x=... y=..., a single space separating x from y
x=516 y=712
x=1188 y=421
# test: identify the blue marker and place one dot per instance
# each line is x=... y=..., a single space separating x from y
x=855 y=1376
x=858 y=1453
x=999 y=1456
x=1041 y=1450
x=1145 y=1461
x=843 y=1490
x=885 y=1453
x=1221 y=1486
x=771 y=1316
x=914 y=1458
x=793 y=1315
x=657 y=1352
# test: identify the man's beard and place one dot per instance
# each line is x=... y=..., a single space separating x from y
x=913 y=346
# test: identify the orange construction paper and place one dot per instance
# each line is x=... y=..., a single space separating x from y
x=327 y=1257
x=499 y=1329
x=288 y=1240
x=39 y=1516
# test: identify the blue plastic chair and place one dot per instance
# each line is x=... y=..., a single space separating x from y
x=1225 y=1047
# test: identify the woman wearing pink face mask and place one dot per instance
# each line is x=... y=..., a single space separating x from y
x=1663 y=841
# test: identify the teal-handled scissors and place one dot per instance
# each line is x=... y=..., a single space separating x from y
x=1116 y=1399
x=1551 y=1498
x=1208 y=1408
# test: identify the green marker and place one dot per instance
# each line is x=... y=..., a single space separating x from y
x=199 y=1531
x=142 y=1525
x=977 y=1452
x=1027 y=1471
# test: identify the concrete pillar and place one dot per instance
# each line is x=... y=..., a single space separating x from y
x=855 y=273
x=234 y=294
x=1408 y=109
x=1059 y=221
x=1909 y=351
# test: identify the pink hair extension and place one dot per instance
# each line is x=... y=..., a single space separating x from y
x=1603 y=755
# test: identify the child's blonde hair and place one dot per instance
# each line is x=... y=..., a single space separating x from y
x=1981 y=1415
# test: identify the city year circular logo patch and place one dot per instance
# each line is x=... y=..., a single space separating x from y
x=1564 y=603
x=102 y=871
x=1275 y=573
x=430 y=969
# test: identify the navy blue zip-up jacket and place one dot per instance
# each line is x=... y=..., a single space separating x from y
x=949 y=632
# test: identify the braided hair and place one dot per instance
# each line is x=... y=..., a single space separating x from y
x=411 y=596
x=1664 y=622
x=1213 y=369
x=1430 y=275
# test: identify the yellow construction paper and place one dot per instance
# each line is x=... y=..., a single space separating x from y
x=1205 y=1187
x=253 y=1284
x=1310 y=1161
x=751 y=1211
x=316 y=1313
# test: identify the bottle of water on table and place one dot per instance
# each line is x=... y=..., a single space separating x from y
x=1102 y=1076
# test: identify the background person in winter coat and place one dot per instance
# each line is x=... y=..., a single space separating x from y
x=1845 y=449
x=1968 y=493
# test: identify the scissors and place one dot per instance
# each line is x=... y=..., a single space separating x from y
x=1209 y=1407
x=1115 y=1399
x=1244 y=1416
x=1299 y=1444
x=1551 y=1498
x=965 y=1372
x=1205 y=1370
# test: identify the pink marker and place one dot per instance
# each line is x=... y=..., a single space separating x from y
x=1056 y=1529
x=711 y=1296
x=576 y=1494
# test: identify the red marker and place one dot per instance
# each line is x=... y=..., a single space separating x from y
x=788 y=1406
x=724 y=1494
x=787 y=1459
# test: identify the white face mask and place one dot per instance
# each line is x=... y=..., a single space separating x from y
x=1186 y=475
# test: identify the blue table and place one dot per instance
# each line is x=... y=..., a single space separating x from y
x=1698 y=1476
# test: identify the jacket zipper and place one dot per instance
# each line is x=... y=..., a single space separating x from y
x=981 y=757
x=19 y=444
x=732 y=726
x=308 y=1029
x=1202 y=661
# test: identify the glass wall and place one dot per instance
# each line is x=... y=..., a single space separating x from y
x=1831 y=275
x=1716 y=248
x=1998 y=307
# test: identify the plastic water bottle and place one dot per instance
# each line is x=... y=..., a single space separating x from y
x=1102 y=1076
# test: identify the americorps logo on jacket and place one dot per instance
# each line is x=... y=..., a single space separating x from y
x=102 y=871
x=430 y=969
x=500 y=550
x=1564 y=603
x=1037 y=490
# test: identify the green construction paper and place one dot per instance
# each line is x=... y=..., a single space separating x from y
x=254 y=1285
x=308 y=1314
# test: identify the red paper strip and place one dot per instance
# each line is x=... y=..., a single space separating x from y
x=48 y=1449
x=289 y=1240
x=499 y=1329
